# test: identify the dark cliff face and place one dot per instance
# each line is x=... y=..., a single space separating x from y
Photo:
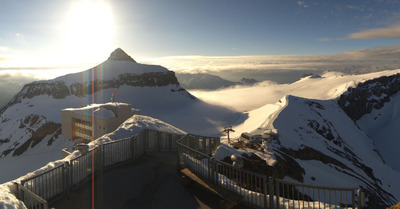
x=36 y=128
x=372 y=94
x=59 y=90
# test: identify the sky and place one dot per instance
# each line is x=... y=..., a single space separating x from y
x=81 y=33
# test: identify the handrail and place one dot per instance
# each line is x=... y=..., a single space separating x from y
x=73 y=173
x=274 y=192
x=315 y=186
x=45 y=172
x=258 y=189
x=30 y=199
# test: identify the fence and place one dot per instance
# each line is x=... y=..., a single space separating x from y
x=206 y=145
x=40 y=190
x=258 y=190
x=195 y=153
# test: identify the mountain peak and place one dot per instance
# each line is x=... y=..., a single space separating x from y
x=119 y=54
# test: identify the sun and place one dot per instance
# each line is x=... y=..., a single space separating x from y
x=88 y=30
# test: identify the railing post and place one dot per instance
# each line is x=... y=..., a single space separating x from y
x=159 y=144
x=146 y=147
x=353 y=198
x=277 y=194
x=170 y=142
x=204 y=145
x=17 y=192
x=178 y=156
x=271 y=182
x=66 y=178
x=213 y=169
x=101 y=157
x=209 y=169
x=360 y=198
x=132 y=141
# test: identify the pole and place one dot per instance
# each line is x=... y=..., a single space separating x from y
x=226 y=130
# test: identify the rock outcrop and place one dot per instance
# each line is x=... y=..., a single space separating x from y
x=119 y=54
x=372 y=94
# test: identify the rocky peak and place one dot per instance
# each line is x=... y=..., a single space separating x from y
x=119 y=54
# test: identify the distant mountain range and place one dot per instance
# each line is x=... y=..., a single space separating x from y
x=206 y=81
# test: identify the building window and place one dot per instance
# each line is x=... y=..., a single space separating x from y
x=82 y=128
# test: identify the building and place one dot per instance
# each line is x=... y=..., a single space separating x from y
x=268 y=135
x=90 y=122
x=271 y=135
x=250 y=137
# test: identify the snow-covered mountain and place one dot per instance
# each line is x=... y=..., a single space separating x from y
x=30 y=133
x=331 y=142
x=374 y=106
x=209 y=82
x=334 y=129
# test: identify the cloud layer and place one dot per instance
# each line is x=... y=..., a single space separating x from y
x=391 y=32
x=354 y=62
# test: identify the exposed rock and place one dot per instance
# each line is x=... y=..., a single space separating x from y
x=248 y=81
x=369 y=95
x=45 y=130
x=58 y=89
x=119 y=54
x=3 y=141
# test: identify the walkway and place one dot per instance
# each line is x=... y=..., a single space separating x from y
x=149 y=182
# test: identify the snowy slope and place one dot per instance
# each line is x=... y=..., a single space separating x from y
x=129 y=128
x=374 y=106
x=323 y=128
x=30 y=122
x=383 y=127
x=320 y=144
x=329 y=85
x=137 y=124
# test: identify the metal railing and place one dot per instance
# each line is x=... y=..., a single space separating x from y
x=30 y=199
x=40 y=190
x=296 y=195
x=194 y=152
x=206 y=145
x=48 y=185
x=258 y=190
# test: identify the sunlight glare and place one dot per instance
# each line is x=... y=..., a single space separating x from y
x=88 y=31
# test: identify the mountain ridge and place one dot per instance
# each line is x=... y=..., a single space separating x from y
x=153 y=89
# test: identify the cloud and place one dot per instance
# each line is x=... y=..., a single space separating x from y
x=377 y=54
x=272 y=66
x=391 y=32
x=302 y=4
x=4 y=49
